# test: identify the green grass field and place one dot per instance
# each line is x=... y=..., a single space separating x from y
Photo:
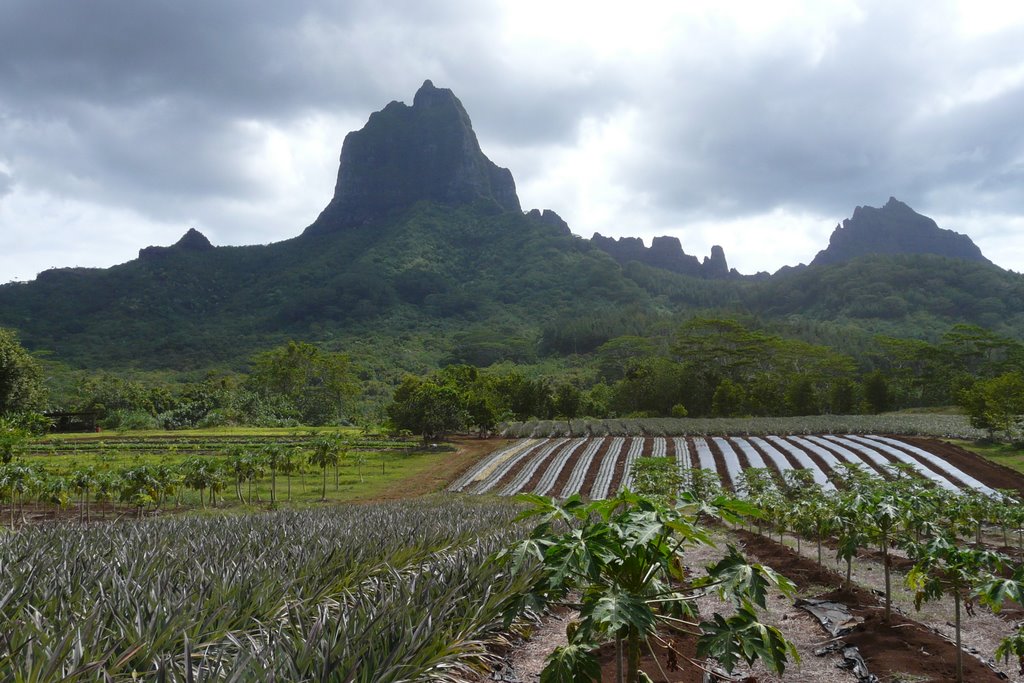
x=370 y=467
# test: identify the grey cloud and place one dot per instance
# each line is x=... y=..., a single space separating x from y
x=140 y=104
x=826 y=135
x=144 y=105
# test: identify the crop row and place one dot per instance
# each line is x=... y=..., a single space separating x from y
x=163 y=444
x=598 y=467
x=940 y=426
x=369 y=593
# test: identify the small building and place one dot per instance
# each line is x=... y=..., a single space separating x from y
x=63 y=423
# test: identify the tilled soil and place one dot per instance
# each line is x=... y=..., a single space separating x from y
x=903 y=650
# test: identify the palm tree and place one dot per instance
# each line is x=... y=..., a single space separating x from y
x=82 y=480
x=289 y=464
x=326 y=452
x=237 y=464
x=273 y=456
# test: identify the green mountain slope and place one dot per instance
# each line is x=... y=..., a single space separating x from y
x=423 y=257
x=432 y=271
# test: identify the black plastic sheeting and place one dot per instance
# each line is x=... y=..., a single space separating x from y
x=837 y=620
x=834 y=617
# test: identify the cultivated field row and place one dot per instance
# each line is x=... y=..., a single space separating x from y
x=598 y=467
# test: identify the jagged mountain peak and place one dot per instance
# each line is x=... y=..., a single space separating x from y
x=665 y=252
x=191 y=241
x=405 y=154
x=895 y=228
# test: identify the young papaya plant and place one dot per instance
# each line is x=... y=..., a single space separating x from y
x=942 y=568
x=620 y=562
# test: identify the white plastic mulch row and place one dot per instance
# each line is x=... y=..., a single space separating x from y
x=527 y=472
x=753 y=457
x=820 y=478
x=772 y=453
x=553 y=456
x=604 y=475
x=488 y=479
x=579 y=472
x=705 y=457
x=547 y=481
x=950 y=470
x=732 y=461
x=488 y=464
x=636 y=449
x=860 y=458
x=859 y=443
x=682 y=453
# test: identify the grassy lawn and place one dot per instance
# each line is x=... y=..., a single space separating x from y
x=1002 y=453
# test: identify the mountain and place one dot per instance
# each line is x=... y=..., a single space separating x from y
x=423 y=256
x=426 y=152
x=667 y=253
x=894 y=229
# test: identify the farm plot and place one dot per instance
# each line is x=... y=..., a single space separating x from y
x=598 y=467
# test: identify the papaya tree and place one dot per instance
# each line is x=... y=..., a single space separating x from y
x=942 y=568
x=623 y=558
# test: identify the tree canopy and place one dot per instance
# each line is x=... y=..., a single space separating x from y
x=318 y=384
x=21 y=379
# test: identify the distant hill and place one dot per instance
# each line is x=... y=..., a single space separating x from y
x=423 y=256
x=894 y=229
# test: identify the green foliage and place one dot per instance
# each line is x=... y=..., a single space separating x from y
x=21 y=378
x=996 y=404
x=12 y=437
x=943 y=567
x=344 y=593
x=318 y=384
x=427 y=408
x=624 y=557
x=876 y=393
x=728 y=399
x=657 y=478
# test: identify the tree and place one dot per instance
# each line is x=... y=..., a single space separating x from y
x=12 y=437
x=650 y=386
x=942 y=567
x=317 y=384
x=326 y=452
x=876 y=392
x=657 y=478
x=728 y=399
x=201 y=473
x=884 y=517
x=427 y=408
x=624 y=559
x=274 y=455
x=82 y=481
x=567 y=401
x=21 y=379
x=996 y=404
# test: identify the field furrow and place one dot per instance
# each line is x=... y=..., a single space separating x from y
x=597 y=467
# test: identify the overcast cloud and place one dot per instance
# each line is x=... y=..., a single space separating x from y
x=124 y=123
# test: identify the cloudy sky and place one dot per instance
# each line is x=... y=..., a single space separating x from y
x=757 y=126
